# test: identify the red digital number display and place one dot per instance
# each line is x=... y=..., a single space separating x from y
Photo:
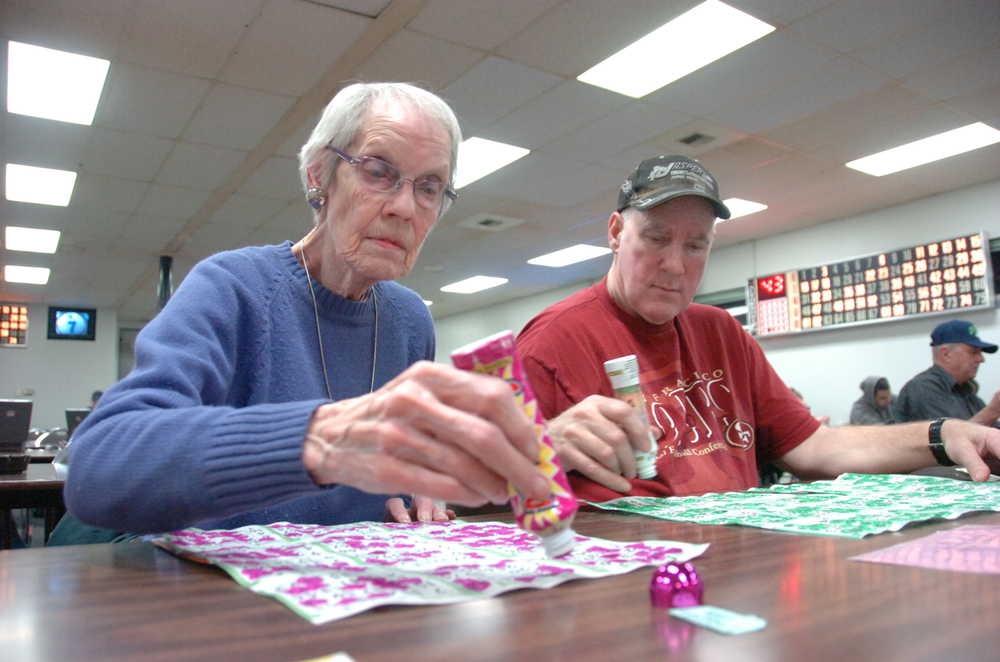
x=771 y=287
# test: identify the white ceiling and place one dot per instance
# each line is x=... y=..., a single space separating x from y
x=192 y=149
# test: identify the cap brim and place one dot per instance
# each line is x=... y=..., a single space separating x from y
x=650 y=201
x=985 y=346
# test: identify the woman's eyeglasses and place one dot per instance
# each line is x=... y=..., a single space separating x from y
x=382 y=176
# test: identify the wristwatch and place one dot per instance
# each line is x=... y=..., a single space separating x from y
x=936 y=444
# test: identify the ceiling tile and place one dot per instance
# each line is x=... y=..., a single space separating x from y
x=148 y=101
x=963 y=30
x=201 y=167
x=172 y=201
x=247 y=212
x=291 y=224
x=635 y=123
x=128 y=155
x=371 y=8
x=412 y=57
x=87 y=27
x=212 y=238
x=493 y=88
x=553 y=113
x=193 y=37
x=294 y=142
x=290 y=45
x=779 y=12
x=108 y=193
x=836 y=80
x=983 y=105
x=481 y=24
x=277 y=177
x=45 y=143
x=668 y=142
x=548 y=181
x=844 y=121
x=146 y=234
x=578 y=34
x=30 y=215
x=837 y=25
x=960 y=76
x=751 y=71
x=236 y=117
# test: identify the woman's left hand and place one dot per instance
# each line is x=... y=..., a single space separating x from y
x=424 y=509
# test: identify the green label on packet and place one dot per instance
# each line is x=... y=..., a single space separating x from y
x=719 y=619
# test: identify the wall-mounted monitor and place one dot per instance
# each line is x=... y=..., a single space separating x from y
x=948 y=276
x=67 y=323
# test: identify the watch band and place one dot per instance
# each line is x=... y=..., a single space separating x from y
x=936 y=444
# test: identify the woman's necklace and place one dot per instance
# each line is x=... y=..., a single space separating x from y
x=319 y=334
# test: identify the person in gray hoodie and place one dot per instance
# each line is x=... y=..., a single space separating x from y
x=874 y=407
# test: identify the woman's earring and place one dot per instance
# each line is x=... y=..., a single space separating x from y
x=316 y=197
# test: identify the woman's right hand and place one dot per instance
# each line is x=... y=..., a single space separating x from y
x=434 y=430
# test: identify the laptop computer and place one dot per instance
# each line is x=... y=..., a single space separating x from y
x=73 y=418
x=15 y=421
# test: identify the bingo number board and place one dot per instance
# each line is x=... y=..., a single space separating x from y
x=927 y=279
x=13 y=325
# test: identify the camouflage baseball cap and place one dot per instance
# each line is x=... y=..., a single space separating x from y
x=663 y=178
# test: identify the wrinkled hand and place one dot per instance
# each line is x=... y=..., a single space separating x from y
x=598 y=437
x=434 y=430
x=975 y=447
x=424 y=509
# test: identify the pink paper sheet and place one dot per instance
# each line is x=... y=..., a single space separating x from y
x=970 y=548
x=324 y=573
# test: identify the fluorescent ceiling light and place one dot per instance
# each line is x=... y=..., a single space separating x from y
x=739 y=207
x=428 y=303
x=478 y=157
x=474 y=284
x=32 y=275
x=571 y=255
x=54 y=85
x=926 y=150
x=43 y=186
x=697 y=37
x=30 y=240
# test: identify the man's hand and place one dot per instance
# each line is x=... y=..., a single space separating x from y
x=989 y=414
x=975 y=447
x=434 y=430
x=598 y=437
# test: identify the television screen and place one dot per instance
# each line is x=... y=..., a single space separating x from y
x=72 y=323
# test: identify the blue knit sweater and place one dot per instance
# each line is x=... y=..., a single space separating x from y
x=207 y=429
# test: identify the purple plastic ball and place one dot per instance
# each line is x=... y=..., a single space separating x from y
x=676 y=585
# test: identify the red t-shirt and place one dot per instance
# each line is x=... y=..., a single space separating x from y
x=707 y=385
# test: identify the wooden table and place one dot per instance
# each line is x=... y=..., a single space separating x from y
x=135 y=601
x=38 y=487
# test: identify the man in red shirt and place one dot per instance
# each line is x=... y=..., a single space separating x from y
x=715 y=403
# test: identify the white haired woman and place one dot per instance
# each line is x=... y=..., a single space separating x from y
x=293 y=382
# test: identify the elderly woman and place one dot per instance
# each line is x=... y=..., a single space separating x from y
x=292 y=382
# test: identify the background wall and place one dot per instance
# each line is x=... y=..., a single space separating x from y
x=61 y=373
x=826 y=366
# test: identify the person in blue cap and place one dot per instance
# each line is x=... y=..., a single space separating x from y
x=948 y=389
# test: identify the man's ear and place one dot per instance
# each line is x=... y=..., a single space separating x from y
x=616 y=225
